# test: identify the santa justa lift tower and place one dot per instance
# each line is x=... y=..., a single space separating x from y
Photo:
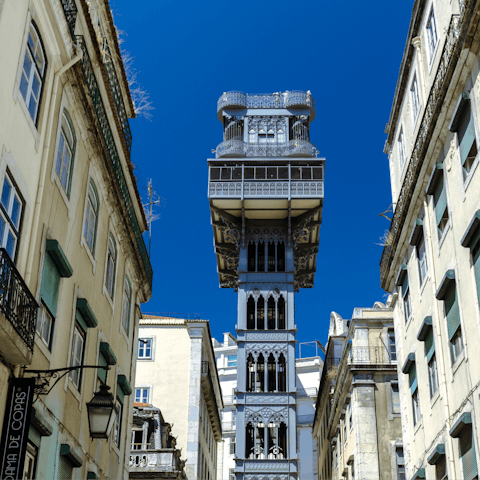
x=265 y=188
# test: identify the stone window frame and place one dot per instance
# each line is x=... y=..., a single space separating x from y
x=394 y=446
x=391 y=414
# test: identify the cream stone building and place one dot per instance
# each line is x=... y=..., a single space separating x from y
x=74 y=268
x=431 y=257
x=308 y=371
x=357 y=419
x=176 y=371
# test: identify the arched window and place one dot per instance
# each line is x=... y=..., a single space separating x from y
x=250 y=441
x=280 y=257
x=272 y=374
x=252 y=254
x=271 y=257
x=111 y=266
x=261 y=257
x=260 y=313
x=251 y=314
x=126 y=305
x=271 y=314
x=260 y=381
x=281 y=313
x=282 y=374
x=91 y=217
x=33 y=72
x=250 y=386
x=65 y=153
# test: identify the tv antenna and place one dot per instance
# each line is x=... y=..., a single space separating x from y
x=153 y=199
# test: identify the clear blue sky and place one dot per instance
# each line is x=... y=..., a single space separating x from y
x=187 y=53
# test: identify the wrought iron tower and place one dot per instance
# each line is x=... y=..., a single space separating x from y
x=266 y=197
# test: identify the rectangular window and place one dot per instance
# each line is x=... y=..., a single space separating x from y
x=407 y=301
x=30 y=465
x=422 y=259
x=392 y=349
x=441 y=469
x=433 y=375
x=117 y=426
x=440 y=205
x=400 y=461
x=415 y=407
x=350 y=417
x=432 y=37
x=467 y=142
x=11 y=208
x=232 y=446
x=395 y=398
x=76 y=355
x=232 y=361
x=415 y=98
x=231 y=474
x=452 y=313
x=234 y=418
x=49 y=299
x=401 y=150
x=142 y=394
x=145 y=348
x=467 y=453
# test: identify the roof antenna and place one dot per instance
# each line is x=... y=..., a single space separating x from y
x=154 y=199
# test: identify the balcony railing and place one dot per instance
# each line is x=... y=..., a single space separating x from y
x=112 y=153
x=455 y=36
x=253 y=189
x=163 y=460
x=372 y=356
x=294 y=98
x=70 y=11
x=118 y=97
x=291 y=148
x=16 y=302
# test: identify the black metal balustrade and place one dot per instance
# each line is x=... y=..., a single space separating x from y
x=117 y=96
x=70 y=11
x=115 y=163
x=16 y=302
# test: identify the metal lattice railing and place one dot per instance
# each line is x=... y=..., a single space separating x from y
x=372 y=356
x=454 y=39
x=70 y=11
x=112 y=153
x=117 y=97
x=16 y=301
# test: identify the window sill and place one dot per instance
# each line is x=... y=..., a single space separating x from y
x=83 y=243
x=466 y=183
x=457 y=363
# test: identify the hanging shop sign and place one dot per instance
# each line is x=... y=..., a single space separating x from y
x=15 y=428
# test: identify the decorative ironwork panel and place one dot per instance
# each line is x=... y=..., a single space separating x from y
x=307 y=189
x=266 y=465
x=265 y=189
x=232 y=99
x=266 y=399
x=16 y=301
x=94 y=91
x=117 y=97
x=370 y=356
x=70 y=11
x=225 y=189
x=454 y=39
x=230 y=147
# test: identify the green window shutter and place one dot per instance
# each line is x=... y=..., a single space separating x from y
x=453 y=312
x=34 y=436
x=440 y=200
x=467 y=452
x=65 y=469
x=102 y=373
x=50 y=284
x=466 y=132
x=429 y=345
x=413 y=378
x=81 y=321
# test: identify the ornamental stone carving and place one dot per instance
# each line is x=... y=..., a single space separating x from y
x=267 y=235
x=265 y=289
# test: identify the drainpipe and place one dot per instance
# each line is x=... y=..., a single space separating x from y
x=46 y=149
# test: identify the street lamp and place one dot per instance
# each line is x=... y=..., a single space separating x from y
x=101 y=409
x=101 y=413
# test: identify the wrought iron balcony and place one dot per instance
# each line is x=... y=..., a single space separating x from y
x=292 y=148
x=287 y=99
x=70 y=11
x=19 y=307
x=112 y=154
x=118 y=97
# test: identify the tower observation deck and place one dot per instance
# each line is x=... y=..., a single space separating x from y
x=265 y=187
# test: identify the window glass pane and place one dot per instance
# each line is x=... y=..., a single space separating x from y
x=249 y=173
x=237 y=173
x=260 y=173
x=226 y=173
x=214 y=174
x=11 y=243
x=272 y=173
x=306 y=173
x=283 y=173
x=295 y=173
x=7 y=188
x=317 y=173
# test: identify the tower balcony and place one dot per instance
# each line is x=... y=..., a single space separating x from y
x=239 y=148
x=289 y=99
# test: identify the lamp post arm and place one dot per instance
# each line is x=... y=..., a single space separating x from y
x=44 y=377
